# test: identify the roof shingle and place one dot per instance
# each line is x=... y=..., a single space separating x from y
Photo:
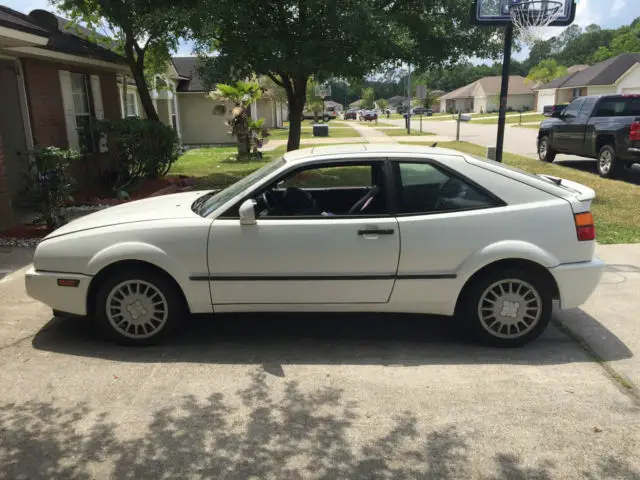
x=603 y=73
x=186 y=67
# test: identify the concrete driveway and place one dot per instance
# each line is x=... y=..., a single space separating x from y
x=321 y=396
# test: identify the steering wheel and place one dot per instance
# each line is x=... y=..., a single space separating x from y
x=271 y=201
x=363 y=203
x=298 y=202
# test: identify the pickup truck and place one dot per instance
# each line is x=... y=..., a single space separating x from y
x=605 y=127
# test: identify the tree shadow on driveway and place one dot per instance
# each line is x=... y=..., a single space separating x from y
x=258 y=432
x=359 y=339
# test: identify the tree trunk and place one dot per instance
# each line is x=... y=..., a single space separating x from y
x=242 y=135
x=296 y=89
x=137 y=70
x=295 y=122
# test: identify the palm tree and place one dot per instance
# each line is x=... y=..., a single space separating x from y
x=242 y=95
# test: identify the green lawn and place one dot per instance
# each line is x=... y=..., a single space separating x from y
x=402 y=132
x=336 y=130
x=534 y=127
x=615 y=207
x=511 y=119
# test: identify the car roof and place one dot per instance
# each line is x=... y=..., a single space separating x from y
x=366 y=150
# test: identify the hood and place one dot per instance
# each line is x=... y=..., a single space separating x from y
x=177 y=205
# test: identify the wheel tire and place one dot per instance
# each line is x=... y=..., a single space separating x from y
x=166 y=322
x=608 y=166
x=545 y=153
x=472 y=308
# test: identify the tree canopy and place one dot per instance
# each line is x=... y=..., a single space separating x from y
x=546 y=71
x=290 y=41
x=144 y=33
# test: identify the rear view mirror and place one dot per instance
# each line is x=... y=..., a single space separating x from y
x=247 y=212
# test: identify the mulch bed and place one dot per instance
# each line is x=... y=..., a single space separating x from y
x=150 y=188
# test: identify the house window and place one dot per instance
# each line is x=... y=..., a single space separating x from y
x=84 y=112
x=132 y=104
x=576 y=92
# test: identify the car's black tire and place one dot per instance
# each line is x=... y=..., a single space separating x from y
x=608 y=165
x=134 y=323
x=521 y=324
x=545 y=153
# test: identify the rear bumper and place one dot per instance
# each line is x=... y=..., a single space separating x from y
x=577 y=281
x=43 y=286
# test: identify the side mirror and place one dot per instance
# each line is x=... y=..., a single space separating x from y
x=248 y=212
x=557 y=114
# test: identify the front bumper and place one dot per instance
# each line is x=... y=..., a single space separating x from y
x=43 y=286
x=577 y=281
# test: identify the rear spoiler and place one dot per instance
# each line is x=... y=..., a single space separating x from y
x=582 y=193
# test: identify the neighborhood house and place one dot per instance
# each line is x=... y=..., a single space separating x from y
x=52 y=84
x=483 y=96
x=619 y=74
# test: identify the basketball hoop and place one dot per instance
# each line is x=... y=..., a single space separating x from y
x=532 y=17
x=322 y=91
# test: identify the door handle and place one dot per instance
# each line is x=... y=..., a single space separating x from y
x=375 y=231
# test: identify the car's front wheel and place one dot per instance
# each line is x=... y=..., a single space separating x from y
x=138 y=308
x=508 y=308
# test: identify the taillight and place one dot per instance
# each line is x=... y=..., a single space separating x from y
x=634 y=132
x=585 y=228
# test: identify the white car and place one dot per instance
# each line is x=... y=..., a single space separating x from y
x=369 y=228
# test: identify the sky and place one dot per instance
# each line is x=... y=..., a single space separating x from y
x=606 y=13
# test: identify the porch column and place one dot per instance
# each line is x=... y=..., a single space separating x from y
x=6 y=209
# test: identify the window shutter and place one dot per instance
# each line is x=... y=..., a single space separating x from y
x=98 y=108
x=69 y=112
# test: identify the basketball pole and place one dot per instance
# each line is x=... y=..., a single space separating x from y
x=504 y=90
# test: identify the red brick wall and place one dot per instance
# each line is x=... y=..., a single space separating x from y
x=45 y=102
x=46 y=111
x=6 y=212
x=42 y=82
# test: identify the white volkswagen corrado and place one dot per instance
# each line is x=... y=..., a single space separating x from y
x=373 y=228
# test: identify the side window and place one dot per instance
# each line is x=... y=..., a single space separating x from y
x=573 y=109
x=587 y=108
x=326 y=191
x=618 y=107
x=425 y=188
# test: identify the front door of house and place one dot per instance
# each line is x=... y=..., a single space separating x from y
x=12 y=128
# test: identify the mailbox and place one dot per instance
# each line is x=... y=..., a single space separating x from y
x=320 y=130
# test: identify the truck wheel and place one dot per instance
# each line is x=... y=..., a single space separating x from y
x=545 y=152
x=608 y=166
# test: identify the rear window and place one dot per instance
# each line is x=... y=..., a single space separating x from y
x=534 y=177
x=618 y=107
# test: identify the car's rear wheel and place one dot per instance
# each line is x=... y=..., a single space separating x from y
x=508 y=308
x=545 y=152
x=140 y=308
x=608 y=166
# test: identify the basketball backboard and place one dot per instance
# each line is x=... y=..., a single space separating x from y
x=497 y=12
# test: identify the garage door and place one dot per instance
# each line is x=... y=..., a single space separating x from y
x=545 y=99
x=631 y=91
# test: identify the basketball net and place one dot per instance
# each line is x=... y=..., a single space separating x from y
x=531 y=18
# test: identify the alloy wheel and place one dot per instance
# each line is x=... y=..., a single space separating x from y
x=509 y=308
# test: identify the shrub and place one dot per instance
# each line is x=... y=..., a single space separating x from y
x=50 y=182
x=142 y=148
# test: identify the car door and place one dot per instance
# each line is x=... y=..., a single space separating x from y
x=309 y=256
x=568 y=134
x=440 y=222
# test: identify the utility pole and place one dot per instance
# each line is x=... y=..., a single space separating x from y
x=504 y=90
x=409 y=98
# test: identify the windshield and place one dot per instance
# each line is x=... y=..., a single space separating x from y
x=211 y=201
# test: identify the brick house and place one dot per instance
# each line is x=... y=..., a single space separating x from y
x=52 y=83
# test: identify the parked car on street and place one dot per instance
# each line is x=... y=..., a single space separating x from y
x=549 y=110
x=368 y=116
x=372 y=228
x=603 y=127
x=351 y=115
